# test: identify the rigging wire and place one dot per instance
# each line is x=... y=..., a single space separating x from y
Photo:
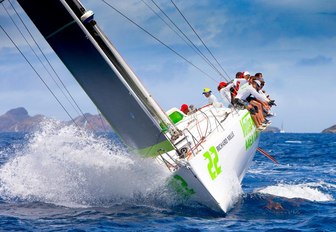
x=157 y=14
x=79 y=111
x=102 y=120
x=158 y=40
x=31 y=48
x=185 y=38
x=200 y=38
x=40 y=77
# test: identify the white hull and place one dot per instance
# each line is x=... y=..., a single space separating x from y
x=216 y=168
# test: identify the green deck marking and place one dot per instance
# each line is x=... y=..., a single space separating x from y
x=155 y=150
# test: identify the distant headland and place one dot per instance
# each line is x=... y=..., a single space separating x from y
x=18 y=120
x=330 y=130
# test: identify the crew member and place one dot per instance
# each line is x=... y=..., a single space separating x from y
x=211 y=98
x=252 y=89
x=185 y=109
x=225 y=92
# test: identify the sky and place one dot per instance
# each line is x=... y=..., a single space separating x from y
x=292 y=42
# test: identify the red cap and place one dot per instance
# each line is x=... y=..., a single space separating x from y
x=184 y=107
x=221 y=85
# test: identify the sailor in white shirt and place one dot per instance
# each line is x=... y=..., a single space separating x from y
x=256 y=112
x=266 y=107
x=241 y=80
x=247 y=90
x=211 y=98
x=225 y=92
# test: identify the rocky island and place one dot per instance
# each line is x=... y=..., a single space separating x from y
x=18 y=120
x=330 y=130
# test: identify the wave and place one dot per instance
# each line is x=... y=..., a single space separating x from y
x=67 y=166
x=294 y=141
x=307 y=191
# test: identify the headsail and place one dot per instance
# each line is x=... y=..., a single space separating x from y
x=102 y=73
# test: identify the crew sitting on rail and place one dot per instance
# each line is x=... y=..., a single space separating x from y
x=260 y=106
x=240 y=101
x=241 y=79
x=229 y=90
x=225 y=90
x=259 y=77
x=266 y=107
x=212 y=100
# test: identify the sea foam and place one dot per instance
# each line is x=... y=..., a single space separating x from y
x=308 y=191
x=67 y=166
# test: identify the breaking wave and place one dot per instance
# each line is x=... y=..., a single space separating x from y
x=67 y=166
x=308 y=191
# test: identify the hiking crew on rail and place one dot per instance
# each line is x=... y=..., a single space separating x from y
x=244 y=92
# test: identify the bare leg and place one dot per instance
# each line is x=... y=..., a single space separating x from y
x=255 y=117
x=256 y=120
x=260 y=115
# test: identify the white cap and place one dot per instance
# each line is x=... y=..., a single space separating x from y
x=246 y=73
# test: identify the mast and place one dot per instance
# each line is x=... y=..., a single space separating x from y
x=86 y=16
x=103 y=74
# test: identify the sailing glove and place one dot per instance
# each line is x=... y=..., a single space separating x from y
x=271 y=103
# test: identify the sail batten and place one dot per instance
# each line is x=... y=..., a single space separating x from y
x=90 y=59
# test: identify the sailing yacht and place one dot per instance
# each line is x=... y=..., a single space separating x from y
x=207 y=151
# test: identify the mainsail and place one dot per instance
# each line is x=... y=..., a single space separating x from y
x=102 y=73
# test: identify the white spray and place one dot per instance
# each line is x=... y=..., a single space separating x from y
x=66 y=166
x=308 y=191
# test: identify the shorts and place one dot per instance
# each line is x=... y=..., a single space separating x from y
x=250 y=98
x=239 y=103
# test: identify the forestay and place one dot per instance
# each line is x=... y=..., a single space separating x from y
x=102 y=73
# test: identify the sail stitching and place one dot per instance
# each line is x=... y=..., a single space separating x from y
x=60 y=29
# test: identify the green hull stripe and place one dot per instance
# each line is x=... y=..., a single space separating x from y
x=178 y=184
x=156 y=149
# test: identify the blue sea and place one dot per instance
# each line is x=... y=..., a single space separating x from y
x=62 y=179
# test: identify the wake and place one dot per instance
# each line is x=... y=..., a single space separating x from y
x=69 y=167
x=307 y=191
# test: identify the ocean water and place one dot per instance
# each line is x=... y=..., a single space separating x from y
x=62 y=179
